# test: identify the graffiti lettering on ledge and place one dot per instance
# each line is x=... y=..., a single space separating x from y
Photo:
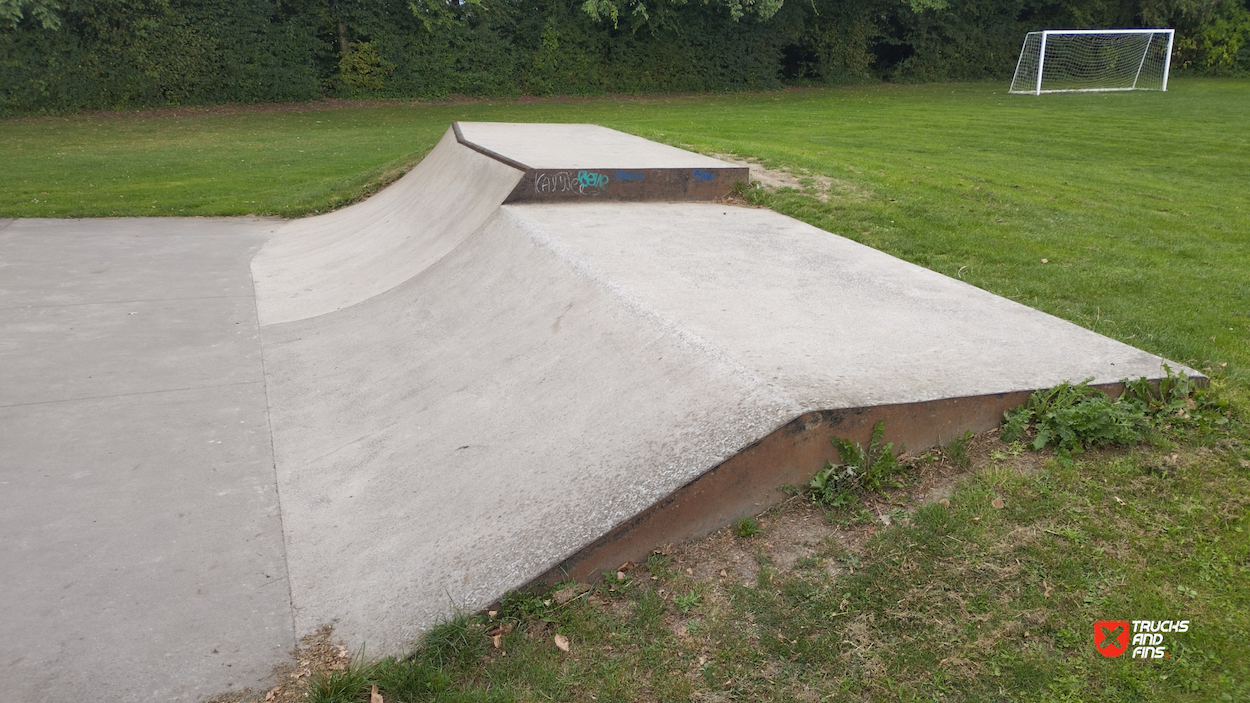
x=583 y=183
x=701 y=175
x=628 y=176
x=588 y=179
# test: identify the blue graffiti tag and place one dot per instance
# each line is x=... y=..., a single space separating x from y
x=628 y=176
x=701 y=175
x=588 y=179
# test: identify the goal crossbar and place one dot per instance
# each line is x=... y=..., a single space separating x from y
x=1093 y=60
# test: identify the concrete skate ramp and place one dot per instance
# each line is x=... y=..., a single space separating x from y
x=571 y=384
x=321 y=264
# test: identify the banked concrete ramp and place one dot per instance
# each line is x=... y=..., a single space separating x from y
x=529 y=356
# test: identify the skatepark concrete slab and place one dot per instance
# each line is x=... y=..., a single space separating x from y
x=140 y=515
x=759 y=288
x=86 y=350
x=218 y=435
x=117 y=260
x=569 y=366
x=144 y=545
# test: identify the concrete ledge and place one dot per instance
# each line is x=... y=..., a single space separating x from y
x=580 y=162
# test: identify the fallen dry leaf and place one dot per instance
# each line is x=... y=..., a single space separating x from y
x=562 y=642
x=374 y=696
x=1117 y=499
x=998 y=503
x=273 y=692
x=944 y=503
x=1046 y=589
x=626 y=566
x=492 y=613
x=495 y=640
x=723 y=574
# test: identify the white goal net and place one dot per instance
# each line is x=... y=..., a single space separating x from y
x=1068 y=60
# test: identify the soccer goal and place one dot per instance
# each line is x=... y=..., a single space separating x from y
x=1071 y=60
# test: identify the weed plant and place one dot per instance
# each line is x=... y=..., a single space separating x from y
x=871 y=469
x=687 y=602
x=747 y=527
x=957 y=450
x=1073 y=417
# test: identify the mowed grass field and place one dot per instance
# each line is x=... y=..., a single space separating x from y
x=1125 y=213
x=1138 y=201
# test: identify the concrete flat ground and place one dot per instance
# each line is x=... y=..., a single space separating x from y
x=217 y=435
x=142 y=538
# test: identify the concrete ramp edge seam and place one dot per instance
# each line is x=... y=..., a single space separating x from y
x=455 y=126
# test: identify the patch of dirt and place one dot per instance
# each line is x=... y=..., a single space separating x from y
x=315 y=653
x=800 y=535
x=823 y=188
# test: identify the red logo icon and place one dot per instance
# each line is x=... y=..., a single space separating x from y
x=1111 y=637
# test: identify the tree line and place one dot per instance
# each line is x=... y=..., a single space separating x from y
x=59 y=56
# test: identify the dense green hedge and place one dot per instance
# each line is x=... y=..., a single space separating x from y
x=71 y=55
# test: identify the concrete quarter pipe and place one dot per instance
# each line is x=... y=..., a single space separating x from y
x=545 y=350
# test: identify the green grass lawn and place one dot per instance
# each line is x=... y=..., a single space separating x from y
x=1139 y=201
x=1139 y=205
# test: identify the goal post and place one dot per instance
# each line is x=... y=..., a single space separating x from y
x=1086 y=60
